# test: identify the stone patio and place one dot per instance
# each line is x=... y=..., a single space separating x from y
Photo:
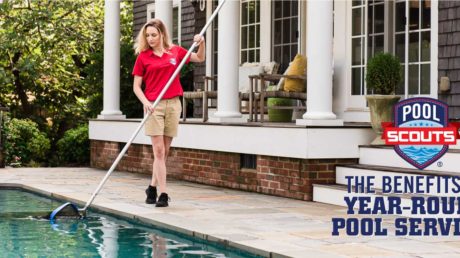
x=262 y=224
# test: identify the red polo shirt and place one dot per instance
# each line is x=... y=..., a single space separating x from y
x=156 y=71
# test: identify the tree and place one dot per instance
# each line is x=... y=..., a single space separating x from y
x=45 y=47
x=51 y=61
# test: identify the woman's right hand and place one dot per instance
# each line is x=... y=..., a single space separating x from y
x=148 y=108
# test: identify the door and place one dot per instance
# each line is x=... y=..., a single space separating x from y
x=378 y=25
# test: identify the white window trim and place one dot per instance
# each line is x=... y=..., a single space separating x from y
x=176 y=4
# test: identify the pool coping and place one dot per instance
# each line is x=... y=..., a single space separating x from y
x=148 y=221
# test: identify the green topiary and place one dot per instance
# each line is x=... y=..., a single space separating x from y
x=25 y=145
x=383 y=73
x=73 y=147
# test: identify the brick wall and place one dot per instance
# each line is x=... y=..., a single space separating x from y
x=286 y=177
x=449 y=53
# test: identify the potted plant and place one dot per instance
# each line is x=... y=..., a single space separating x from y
x=383 y=73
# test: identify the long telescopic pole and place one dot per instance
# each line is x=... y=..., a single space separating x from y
x=176 y=72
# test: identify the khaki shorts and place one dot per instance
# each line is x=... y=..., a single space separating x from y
x=165 y=118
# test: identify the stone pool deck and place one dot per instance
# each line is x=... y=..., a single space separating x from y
x=265 y=225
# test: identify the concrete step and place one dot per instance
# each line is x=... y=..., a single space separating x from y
x=386 y=156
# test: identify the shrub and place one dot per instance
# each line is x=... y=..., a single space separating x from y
x=25 y=145
x=383 y=73
x=73 y=147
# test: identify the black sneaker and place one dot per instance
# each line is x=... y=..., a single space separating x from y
x=152 y=194
x=163 y=200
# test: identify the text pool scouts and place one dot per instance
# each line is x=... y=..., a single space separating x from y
x=435 y=214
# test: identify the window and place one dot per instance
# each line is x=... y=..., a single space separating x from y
x=285 y=33
x=248 y=161
x=176 y=28
x=250 y=31
x=372 y=27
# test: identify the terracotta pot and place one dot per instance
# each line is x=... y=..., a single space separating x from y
x=381 y=110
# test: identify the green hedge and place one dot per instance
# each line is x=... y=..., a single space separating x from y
x=25 y=145
x=73 y=147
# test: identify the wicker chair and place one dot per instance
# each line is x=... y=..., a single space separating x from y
x=204 y=95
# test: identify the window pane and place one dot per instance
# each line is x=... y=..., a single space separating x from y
x=356 y=51
x=425 y=79
x=370 y=19
x=278 y=9
x=257 y=56
x=356 y=2
x=399 y=47
x=286 y=55
x=286 y=8
x=370 y=47
x=277 y=32
x=277 y=54
x=244 y=57
x=257 y=35
x=413 y=79
x=295 y=8
x=251 y=55
x=426 y=14
x=257 y=11
x=252 y=11
x=294 y=50
x=413 y=47
x=356 y=26
x=244 y=13
x=294 y=30
x=356 y=81
x=286 y=29
x=379 y=43
x=400 y=86
x=414 y=11
x=426 y=46
x=400 y=13
x=252 y=38
x=244 y=39
x=379 y=18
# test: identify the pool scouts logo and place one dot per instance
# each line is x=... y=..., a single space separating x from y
x=421 y=133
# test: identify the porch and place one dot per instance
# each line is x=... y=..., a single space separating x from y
x=281 y=159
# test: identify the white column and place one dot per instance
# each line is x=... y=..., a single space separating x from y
x=111 y=61
x=228 y=63
x=164 y=12
x=319 y=67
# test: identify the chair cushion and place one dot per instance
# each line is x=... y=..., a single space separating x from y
x=297 y=67
x=244 y=71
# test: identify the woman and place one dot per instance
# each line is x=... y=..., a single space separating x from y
x=157 y=60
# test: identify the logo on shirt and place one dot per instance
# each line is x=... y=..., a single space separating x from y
x=172 y=61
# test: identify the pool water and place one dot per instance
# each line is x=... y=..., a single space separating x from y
x=24 y=234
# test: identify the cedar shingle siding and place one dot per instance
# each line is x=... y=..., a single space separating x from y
x=449 y=53
x=140 y=15
x=192 y=21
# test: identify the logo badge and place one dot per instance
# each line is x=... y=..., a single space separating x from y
x=172 y=61
x=421 y=133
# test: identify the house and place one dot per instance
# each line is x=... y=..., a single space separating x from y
x=338 y=37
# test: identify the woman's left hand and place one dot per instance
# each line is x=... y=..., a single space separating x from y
x=199 y=39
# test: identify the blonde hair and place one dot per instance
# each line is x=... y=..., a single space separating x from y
x=141 y=40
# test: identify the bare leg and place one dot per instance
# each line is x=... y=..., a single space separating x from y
x=160 y=148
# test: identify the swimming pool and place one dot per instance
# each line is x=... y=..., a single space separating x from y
x=24 y=234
